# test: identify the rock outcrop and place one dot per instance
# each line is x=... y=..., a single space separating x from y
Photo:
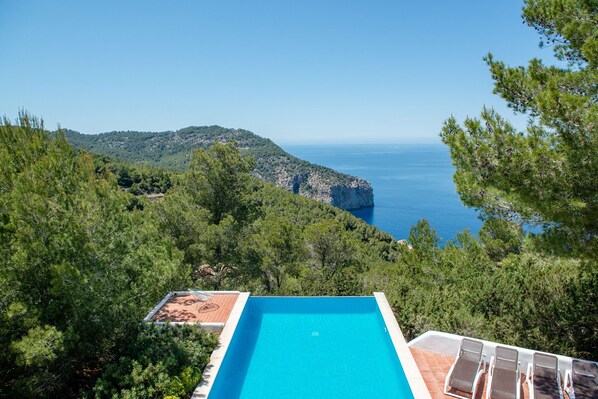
x=353 y=193
x=358 y=195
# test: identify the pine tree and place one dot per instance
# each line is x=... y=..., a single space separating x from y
x=548 y=174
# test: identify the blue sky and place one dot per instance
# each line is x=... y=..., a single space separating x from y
x=294 y=71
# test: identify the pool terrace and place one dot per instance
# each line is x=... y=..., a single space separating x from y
x=182 y=307
x=426 y=359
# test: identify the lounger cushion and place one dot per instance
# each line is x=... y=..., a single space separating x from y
x=585 y=380
x=463 y=375
x=545 y=383
x=504 y=384
x=586 y=388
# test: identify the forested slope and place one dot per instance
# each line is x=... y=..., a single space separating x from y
x=272 y=164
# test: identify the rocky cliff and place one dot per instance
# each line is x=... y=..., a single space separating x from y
x=273 y=164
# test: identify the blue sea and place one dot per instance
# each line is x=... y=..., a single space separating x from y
x=411 y=182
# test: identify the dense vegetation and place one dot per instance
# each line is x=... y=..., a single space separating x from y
x=159 y=363
x=84 y=259
x=173 y=150
x=84 y=255
x=503 y=287
x=79 y=269
x=545 y=176
x=137 y=179
x=81 y=266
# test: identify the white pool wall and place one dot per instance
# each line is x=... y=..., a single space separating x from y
x=211 y=370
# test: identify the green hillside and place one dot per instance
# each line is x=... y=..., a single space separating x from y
x=272 y=164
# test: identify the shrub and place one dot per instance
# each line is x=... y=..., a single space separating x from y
x=161 y=362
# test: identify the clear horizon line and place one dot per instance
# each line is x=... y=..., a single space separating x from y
x=432 y=140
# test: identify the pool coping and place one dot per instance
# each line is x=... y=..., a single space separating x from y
x=414 y=377
x=211 y=370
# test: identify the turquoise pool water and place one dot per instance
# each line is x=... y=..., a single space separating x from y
x=332 y=347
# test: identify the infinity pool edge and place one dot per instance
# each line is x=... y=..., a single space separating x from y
x=414 y=377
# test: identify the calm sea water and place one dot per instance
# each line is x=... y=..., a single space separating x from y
x=411 y=182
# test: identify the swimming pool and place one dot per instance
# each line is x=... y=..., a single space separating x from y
x=320 y=347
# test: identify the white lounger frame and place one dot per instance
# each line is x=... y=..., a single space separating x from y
x=568 y=385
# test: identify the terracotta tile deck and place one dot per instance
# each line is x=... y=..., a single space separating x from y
x=187 y=308
x=434 y=368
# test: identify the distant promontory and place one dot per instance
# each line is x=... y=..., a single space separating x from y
x=273 y=164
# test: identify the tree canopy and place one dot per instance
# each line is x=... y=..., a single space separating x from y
x=77 y=267
x=547 y=174
x=218 y=178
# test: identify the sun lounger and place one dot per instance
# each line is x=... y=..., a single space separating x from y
x=466 y=371
x=581 y=382
x=543 y=377
x=202 y=296
x=504 y=376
